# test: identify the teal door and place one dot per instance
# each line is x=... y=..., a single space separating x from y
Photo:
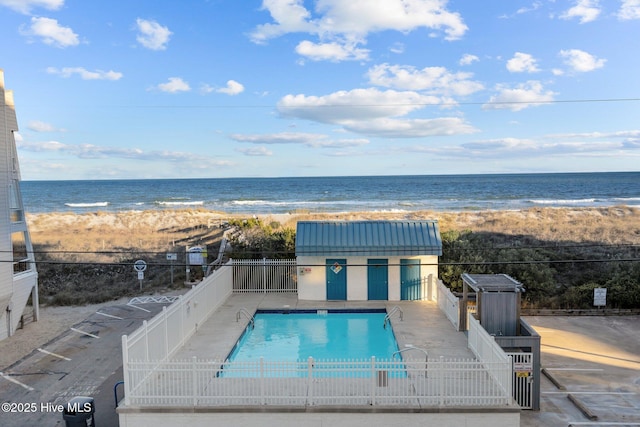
x=377 y=279
x=336 y=279
x=410 y=286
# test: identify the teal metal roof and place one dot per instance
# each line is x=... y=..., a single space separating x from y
x=366 y=238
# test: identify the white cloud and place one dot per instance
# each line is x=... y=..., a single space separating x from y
x=357 y=104
x=397 y=48
x=535 y=6
x=25 y=6
x=585 y=10
x=560 y=144
x=152 y=35
x=90 y=151
x=410 y=128
x=581 y=61
x=630 y=9
x=290 y=16
x=332 y=51
x=468 y=59
x=255 y=151
x=522 y=62
x=314 y=140
x=38 y=126
x=51 y=32
x=522 y=96
x=373 y=112
x=232 y=88
x=433 y=80
x=593 y=144
x=85 y=74
x=341 y=26
x=174 y=85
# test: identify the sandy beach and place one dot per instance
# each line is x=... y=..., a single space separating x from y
x=157 y=229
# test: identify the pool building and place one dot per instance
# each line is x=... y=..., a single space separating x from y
x=178 y=370
x=366 y=260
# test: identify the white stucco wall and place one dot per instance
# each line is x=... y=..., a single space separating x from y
x=318 y=419
x=312 y=276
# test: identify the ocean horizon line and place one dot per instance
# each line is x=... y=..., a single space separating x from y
x=488 y=174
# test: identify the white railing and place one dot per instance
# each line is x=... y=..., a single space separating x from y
x=449 y=304
x=486 y=349
x=159 y=338
x=264 y=275
x=317 y=382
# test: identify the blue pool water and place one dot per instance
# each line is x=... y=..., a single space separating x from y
x=296 y=336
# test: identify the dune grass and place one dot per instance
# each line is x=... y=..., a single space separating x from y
x=89 y=258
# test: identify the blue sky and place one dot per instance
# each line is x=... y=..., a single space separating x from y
x=229 y=88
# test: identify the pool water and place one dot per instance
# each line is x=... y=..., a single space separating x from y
x=296 y=336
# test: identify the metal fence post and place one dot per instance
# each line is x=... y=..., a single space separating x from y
x=264 y=275
x=310 y=379
x=194 y=378
x=166 y=332
x=125 y=370
x=262 y=396
x=146 y=340
x=441 y=382
x=374 y=380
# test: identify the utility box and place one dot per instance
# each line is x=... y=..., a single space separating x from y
x=497 y=302
x=79 y=412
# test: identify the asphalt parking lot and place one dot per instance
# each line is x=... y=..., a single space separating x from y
x=596 y=360
x=85 y=360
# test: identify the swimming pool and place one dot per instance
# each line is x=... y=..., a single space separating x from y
x=324 y=335
x=321 y=334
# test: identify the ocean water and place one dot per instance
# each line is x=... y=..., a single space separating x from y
x=337 y=194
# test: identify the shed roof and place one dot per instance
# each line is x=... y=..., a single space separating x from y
x=367 y=238
x=492 y=283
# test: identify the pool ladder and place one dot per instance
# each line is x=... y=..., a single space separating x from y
x=394 y=310
x=244 y=312
x=408 y=347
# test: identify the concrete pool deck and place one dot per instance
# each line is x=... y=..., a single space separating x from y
x=423 y=326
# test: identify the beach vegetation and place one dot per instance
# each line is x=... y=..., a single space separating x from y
x=559 y=255
x=258 y=240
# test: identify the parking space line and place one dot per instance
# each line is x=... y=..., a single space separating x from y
x=109 y=315
x=575 y=369
x=603 y=423
x=8 y=378
x=613 y=393
x=41 y=350
x=139 y=308
x=84 y=333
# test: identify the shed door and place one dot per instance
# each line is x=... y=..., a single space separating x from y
x=410 y=284
x=336 y=279
x=377 y=279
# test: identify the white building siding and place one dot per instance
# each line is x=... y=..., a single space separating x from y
x=293 y=419
x=15 y=286
x=312 y=279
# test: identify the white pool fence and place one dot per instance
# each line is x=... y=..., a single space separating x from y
x=152 y=378
x=264 y=275
x=486 y=349
x=413 y=383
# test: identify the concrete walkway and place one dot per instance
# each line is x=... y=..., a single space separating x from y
x=423 y=325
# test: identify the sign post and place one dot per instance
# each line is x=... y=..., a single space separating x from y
x=172 y=256
x=140 y=266
x=600 y=297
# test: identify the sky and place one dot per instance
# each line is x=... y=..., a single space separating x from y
x=279 y=88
